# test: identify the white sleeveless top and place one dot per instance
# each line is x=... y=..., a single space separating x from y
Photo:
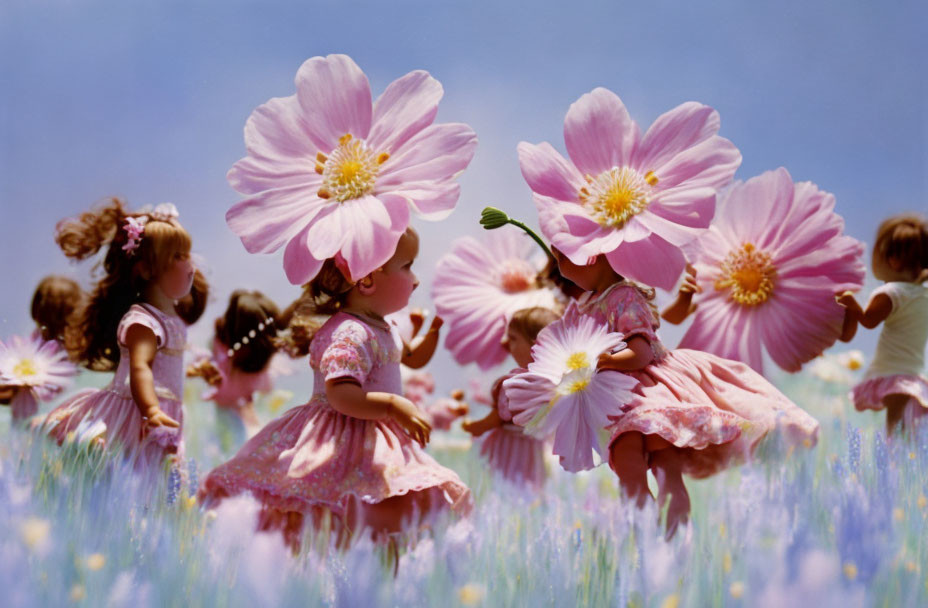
x=901 y=347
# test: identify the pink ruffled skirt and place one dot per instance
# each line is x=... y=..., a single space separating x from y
x=869 y=394
x=715 y=409
x=516 y=456
x=314 y=456
x=103 y=413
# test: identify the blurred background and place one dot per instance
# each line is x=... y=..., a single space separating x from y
x=146 y=100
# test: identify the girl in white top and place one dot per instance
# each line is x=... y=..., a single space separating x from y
x=895 y=379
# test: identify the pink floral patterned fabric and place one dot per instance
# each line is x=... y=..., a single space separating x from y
x=315 y=456
x=717 y=410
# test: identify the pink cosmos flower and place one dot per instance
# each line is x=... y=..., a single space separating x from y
x=329 y=172
x=634 y=199
x=563 y=393
x=478 y=286
x=39 y=368
x=769 y=268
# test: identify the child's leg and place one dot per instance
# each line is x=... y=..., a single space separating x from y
x=628 y=459
x=668 y=468
x=895 y=409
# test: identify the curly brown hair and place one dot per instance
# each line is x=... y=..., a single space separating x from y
x=250 y=315
x=55 y=304
x=904 y=238
x=322 y=297
x=92 y=338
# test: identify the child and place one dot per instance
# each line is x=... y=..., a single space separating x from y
x=518 y=457
x=694 y=412
x=243 y=346
x=353 y=454
x=131 y=325
x=894 y=380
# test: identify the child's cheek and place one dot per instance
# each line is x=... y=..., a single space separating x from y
x=177 y=281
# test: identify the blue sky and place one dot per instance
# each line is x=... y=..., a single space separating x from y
x=147 y=100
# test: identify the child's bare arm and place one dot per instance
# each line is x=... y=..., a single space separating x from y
x=142 y=345
x=348 y=397
x=877 y=310
x=479 y=427
x=683 y=306
x=637 y=355
x=419 y=351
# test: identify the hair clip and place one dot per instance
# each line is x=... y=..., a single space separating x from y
x=265 y=325
x=135 y=228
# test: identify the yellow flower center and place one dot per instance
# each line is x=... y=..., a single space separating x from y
x=578 y=385
x=616 y=195
x=516 y=276
x=577 y=361
x=749 y=274
x=25 y=368
x=350 y=170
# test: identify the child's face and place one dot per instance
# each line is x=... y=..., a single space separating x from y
x=177 y=279
x=395 y=282
x=587 y=277
x=519 y=346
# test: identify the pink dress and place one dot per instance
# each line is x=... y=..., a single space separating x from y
x=314 y=456
x=717 y=410
x=112 y=410
x=237 y=388
x=511 y=453
x=898 y=364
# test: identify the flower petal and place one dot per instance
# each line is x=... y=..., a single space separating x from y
x=548 y=173
x=373 y=229
x=599 y=133
x=335 y=97
x=281 y=150
x=408 y=105
x=432 y=201
x=299 y=263
x=652 y=261
x=436 y=153
x=675 y=131
x=270 y=218
x=711 y=163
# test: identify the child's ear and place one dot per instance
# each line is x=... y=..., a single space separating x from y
x=366 y=285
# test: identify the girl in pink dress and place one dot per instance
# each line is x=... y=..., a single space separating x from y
x=516 y=456
x=240 y=366
x=895 y=379
x=352 y=457
x=694 y=412
x=135 y=324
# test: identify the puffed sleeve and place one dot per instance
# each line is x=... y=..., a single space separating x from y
x=137 y=315
x=628 y=312
x=894 y=291
x=348 y=353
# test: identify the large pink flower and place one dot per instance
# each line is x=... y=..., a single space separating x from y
x=563 y=394
x=635 y=199
x=329 y=171
x=478 y=286
x=769 y=268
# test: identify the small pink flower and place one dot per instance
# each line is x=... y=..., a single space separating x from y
x=634 y=199
x=563 y=393
x=769 y=268
x=135 y=228
x=329 y=171
x=478 y=286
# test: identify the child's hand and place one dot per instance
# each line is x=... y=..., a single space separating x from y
x=847 y=300
x=157 y=418
x=606 y=361
x=473 y=427
x=206 y=370
x=407 y=415
x=7 y=393
x=417 y=318
x=689 y=285
x=437 y=322
x=460 y=408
